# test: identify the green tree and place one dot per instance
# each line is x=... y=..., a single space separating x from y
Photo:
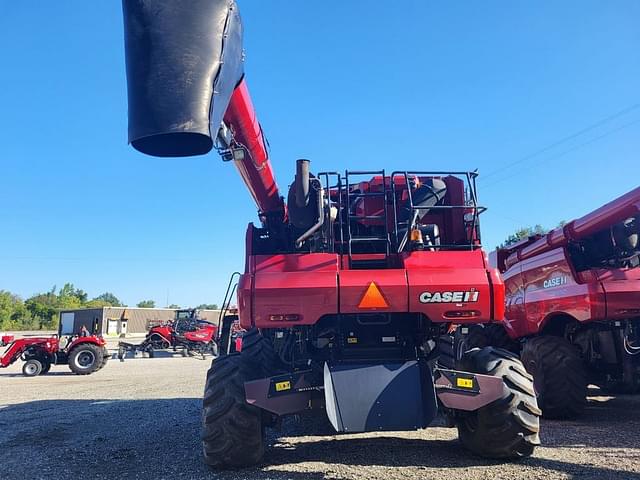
x=69 y=294
x=44 y=309
x=208 y=306
x=108 y=299
x=174 y=306
x=13 y=313
x=146 y=304
x=96 y=304
x=522 y=233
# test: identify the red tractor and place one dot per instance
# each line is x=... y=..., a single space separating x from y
x=573 y=307
x=350 y=285
x=187 y=333
x=84 y=354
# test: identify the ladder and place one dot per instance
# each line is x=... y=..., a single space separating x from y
x=352 y=218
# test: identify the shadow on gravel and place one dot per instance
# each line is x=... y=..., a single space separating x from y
x=107 y=439
x=52 y=373
x=607 y=422
x=389 y=451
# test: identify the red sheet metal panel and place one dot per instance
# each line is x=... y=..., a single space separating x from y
x=300 y=286
x=544 y=287
x=622 y=287
x=449 y=286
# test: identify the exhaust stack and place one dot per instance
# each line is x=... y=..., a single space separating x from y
x=302 y=183
x=184 y=60
x=304 y=202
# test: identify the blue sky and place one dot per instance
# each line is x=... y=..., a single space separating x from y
x=541 y=97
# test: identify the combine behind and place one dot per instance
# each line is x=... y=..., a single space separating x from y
x=573 y=307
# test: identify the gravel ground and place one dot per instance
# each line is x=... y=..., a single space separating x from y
x=140 y=419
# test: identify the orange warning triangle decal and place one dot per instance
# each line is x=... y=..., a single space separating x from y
x=373 y=298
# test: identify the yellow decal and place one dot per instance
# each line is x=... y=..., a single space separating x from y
x=464 y=382
x=281 y=386
x=352 y=340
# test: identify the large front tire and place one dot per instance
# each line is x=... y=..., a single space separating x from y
x=86 y=358
x=508 y=427
x=232 y=430
x=559 y=375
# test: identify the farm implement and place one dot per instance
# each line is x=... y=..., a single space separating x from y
x=187 y=333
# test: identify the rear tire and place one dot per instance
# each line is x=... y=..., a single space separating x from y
x=86 y=359
x=105 y=358
x=509 y=426
x=32 y=368
x=559 y=375
x=232 y=430
x=260 y=350
x=481 y=336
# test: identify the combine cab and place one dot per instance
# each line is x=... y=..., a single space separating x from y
x=350 y=285
x=573 y=307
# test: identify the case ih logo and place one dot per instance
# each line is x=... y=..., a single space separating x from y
x=449 y=297
x=555 y=282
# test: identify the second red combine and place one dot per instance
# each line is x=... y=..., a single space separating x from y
x=573 y=307
x=349 y=285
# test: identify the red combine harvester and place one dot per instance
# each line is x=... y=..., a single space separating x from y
x=187 y=333
x=84 y=354
x=349 y=287
x=573 y=306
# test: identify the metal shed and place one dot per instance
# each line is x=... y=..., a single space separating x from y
x=115 y=321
